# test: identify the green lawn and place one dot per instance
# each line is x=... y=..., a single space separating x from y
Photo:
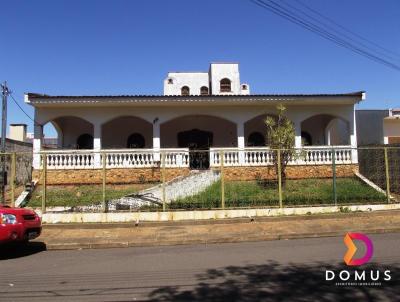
x=295 y=192
x=82 y=195
x=237 y=194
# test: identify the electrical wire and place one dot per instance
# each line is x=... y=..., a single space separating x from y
x=19 y=106
x=285 y=13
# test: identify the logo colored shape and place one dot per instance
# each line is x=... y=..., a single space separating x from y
x=348 y=257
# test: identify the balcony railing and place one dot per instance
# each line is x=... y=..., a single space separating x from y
x=176 y=158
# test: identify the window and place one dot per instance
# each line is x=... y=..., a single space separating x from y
x=244 y=87
x=135 y=140
x=225 y=85
x=204 y=90
x=185 y=90
x=256 y=139
x=85 y=141
x=170 y=81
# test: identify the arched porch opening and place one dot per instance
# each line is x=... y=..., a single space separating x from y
x=127 y=132
x=68 y=132
x=325 y=129
x=198 y=133
x=223 y=131
x=255 y=131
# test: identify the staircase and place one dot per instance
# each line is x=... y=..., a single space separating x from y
x=180 y=187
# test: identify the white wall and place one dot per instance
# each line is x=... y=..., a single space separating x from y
x=194 y=80
x=219 y=71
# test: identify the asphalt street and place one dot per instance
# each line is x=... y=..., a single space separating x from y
x=286 y=270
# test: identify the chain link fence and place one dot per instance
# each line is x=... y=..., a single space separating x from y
x=146 y=180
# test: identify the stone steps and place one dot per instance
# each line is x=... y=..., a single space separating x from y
x=181 y=187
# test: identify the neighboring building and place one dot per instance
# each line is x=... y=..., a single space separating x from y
x=370 y=126
x=391 y=127
x=208 y=111
x=377 y=127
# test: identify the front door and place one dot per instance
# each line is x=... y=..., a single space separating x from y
x=198 y=142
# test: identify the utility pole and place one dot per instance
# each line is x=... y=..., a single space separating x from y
x=5 y=93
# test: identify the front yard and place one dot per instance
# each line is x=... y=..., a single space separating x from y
x=237 y=194
x=295 y=192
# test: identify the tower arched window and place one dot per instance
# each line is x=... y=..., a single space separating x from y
x=185 y=90
x=204 y=90
x=225 y=85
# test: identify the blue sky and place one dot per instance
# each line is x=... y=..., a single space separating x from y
x=127 y=47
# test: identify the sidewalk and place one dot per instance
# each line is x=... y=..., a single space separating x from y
x=81 y=236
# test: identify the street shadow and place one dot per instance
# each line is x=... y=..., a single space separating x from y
x=275 y=282
x=18 y=250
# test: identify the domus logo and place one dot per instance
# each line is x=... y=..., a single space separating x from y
x=369 y=276
x=352 y=249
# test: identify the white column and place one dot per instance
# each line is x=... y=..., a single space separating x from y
x=97 y=145
x=240 y=141
x=156 y=140
x=353 y=137
x=37 y=145
x=297 y=138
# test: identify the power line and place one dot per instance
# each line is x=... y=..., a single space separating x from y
x=285 y=13
x=347 y=30
x=19 y=106
x=330 y=27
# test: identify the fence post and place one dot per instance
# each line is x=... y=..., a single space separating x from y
x=13 y=176
x=279 y=178
x=334 y=176
x=221 y=157
x=163 y=180
x=104 y=178
x=387 y=175
x=44 y=180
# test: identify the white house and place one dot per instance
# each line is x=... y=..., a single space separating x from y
x=209 y=111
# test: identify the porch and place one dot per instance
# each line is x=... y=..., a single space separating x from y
x=195 y=159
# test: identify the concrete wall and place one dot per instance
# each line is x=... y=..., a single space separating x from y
x=23 y=166
x=370 y=126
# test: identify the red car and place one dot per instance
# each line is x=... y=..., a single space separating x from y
x=17 y=224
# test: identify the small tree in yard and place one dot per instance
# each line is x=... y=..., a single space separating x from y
x=281 y=136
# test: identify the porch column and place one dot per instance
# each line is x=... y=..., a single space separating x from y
x=37 y=145
x=297 y=138
x=156 y=140
x=353 y=138
x=240 y=142
x=97 y=145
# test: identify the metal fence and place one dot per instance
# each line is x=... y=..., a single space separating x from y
x=182 y=179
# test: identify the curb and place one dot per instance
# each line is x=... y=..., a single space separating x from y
x=192 y=241
x=219 y=221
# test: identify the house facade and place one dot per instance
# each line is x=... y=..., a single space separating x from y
x=202 y=112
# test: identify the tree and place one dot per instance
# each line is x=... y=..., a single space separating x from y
x=281 y=136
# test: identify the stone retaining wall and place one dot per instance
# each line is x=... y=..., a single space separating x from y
x=113 y=176
x=143 y=175
x=292 y=172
